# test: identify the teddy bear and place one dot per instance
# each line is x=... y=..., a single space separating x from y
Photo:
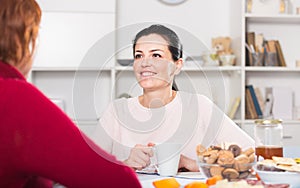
x=221 y=46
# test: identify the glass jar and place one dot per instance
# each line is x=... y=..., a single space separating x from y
x=268 y=138
x=284 y=7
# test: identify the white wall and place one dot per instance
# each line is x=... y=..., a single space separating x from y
x=69 y=28
x=204 y=19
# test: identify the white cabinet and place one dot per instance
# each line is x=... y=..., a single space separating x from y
x=291 y=134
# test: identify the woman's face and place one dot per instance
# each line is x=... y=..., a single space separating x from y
x=153 y=64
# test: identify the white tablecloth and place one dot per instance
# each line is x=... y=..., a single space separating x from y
x=183 y=178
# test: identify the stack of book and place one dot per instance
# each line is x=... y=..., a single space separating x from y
x=254 y=103
x=261 y=52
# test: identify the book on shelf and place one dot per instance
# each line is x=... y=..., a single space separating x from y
x=234 y=107
x=255 y=101
x=250 y=109
x=260 y=98
x=271 y=56
x=274 y=46
x=271 y=46
x=250 y=48
x=281 y=59
x=259 y=42
x=255 y=47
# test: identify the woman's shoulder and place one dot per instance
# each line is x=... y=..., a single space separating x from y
x=21 y=93
x=17 y=87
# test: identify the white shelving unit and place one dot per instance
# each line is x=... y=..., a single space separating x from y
x=59 y=70
x=87 y=90
x=285 y=28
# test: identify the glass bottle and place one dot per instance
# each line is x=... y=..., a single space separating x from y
x=268 y=138
x=248 y=6
x=284 y=7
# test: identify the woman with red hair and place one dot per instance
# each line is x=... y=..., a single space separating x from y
x=39 y=144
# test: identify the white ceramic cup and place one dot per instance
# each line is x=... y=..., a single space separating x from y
x=167 y=158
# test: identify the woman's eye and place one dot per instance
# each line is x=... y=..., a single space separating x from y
x=137 y=56
x=156 y=55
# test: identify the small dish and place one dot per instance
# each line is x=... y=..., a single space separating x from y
x=270 y=177
x=125 y=62
x=227 y=60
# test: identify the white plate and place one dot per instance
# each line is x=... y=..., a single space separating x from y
x=292 y=178
x=190 y=175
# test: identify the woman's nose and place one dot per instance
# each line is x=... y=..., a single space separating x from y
x=146 y=62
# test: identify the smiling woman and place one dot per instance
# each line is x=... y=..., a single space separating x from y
x=129 y=128
x=153 y=65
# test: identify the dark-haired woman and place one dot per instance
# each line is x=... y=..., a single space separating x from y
x=130 y=127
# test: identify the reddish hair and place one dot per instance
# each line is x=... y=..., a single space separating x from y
x=19 y=21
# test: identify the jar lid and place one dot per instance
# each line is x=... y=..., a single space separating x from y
x=268 y=121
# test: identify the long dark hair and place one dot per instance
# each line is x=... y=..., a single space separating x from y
x=174 y=44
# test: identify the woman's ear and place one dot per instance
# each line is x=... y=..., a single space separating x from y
x=179 y=64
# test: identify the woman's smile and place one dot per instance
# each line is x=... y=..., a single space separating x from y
x=146 y=74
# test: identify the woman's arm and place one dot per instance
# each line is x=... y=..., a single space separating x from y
x=188 y=164
x=139 y=157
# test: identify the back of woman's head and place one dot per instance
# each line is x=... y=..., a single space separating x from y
x=170 y=36
x=19 y=22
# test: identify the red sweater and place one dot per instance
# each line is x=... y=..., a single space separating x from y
x=38 y=143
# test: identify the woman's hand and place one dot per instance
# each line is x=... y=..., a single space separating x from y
x=139 y=157
x=188 y=164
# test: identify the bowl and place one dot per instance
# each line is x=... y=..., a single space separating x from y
x=229 y=172
x=227 y=60
x=270 y=177
x=125 y=62
x=232 y=163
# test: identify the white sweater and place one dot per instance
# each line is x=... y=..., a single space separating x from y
x=190 y=119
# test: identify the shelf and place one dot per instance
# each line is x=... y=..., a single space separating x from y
x=237 y=121
x=272 y=69
x=251 y=121
x=46 y=69
x=216 y=68
x=190 y=69
x=280 y=18
x=124 y=68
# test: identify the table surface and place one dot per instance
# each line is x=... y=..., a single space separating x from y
x=183 y=178
x=186 y=177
